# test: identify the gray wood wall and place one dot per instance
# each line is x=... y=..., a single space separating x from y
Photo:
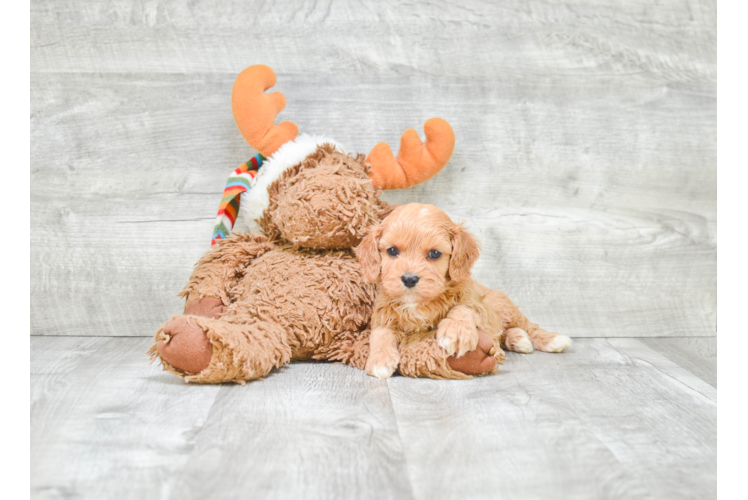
x=585 y=157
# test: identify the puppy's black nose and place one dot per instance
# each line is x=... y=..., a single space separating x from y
x=409 y=280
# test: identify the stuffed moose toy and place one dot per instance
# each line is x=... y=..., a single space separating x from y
x=295 y=292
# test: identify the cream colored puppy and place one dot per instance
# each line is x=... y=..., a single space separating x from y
x=421 y=262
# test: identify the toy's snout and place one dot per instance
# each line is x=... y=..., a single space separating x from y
x=326 y=211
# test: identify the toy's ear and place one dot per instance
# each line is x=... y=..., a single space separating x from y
x=255 y=111
x=465 y=251
x=386 y=211
x=368 y=254
x=416 y=161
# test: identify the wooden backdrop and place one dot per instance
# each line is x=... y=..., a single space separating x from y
x=585 y=157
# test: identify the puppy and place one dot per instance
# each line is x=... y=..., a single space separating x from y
x=421 y=261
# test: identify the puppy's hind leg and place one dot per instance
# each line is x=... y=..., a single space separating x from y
x=514 y=319
x=549 y=341
x=542 y=340
x=517 y=340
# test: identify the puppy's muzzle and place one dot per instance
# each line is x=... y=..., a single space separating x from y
x=409 y=280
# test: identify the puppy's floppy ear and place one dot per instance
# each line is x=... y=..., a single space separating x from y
x=368 y=254
x=465 y=251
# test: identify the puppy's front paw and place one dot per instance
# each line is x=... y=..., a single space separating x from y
x=457 y=337
x=382 y=365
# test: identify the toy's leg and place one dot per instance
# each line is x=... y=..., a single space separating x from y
x=518 y=328
x=422 y=356
x=351 y=348
x=207 y=350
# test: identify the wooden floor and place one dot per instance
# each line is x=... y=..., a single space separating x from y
x=612 y=418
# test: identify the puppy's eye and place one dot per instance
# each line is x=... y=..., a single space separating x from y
x=434 y=254
x=392 y=251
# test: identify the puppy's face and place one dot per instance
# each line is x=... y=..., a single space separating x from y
x=415 y=252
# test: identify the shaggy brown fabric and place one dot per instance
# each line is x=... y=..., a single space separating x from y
x=223 y=266
x=284 y=303
x=421 y=356
x=326 y=201
x=243 y=352
x=240 y=352
x=314 y=296
x=351 y=348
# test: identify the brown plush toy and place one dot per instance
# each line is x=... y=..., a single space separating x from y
x=255 y=302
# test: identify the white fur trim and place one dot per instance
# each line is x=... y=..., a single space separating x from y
x=254 y=202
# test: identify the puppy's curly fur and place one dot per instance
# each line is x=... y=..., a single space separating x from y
x=421 y=262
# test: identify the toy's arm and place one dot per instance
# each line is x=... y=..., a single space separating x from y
x=218 y=271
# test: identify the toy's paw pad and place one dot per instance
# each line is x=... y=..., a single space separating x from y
x=381 y=365
x=456 y=337
x=478 y=361
x=187 y=347
x=208 y=307
x=517 y=340
x=559 y=343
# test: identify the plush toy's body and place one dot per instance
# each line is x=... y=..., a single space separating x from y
x=256 y=302
x=285 y=304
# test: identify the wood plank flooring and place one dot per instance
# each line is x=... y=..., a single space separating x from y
x=612 y=418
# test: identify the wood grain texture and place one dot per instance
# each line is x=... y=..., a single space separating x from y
x=471 y=38
x=608 y=419
x=110 y=426
x=105 y=424
x=696 y=354
x=310 y=431
x=585 y=157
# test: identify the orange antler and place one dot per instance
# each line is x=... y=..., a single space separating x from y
x=255 y=111
x=416 y=162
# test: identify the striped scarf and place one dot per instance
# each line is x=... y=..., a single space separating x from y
x=239 y=182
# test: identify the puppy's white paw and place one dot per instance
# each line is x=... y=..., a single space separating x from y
x=382 y=371
x=559 y=343
x=381 y=366
x=523 y=346
x=517 y=340
x=456 y=337
x=446 y=344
